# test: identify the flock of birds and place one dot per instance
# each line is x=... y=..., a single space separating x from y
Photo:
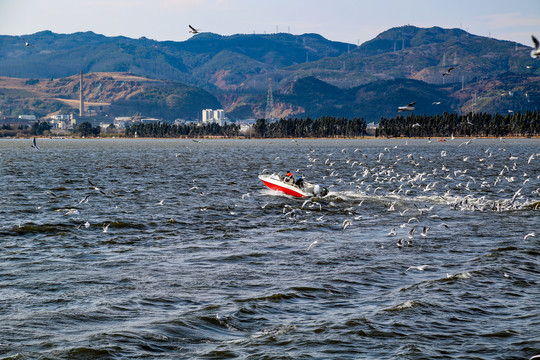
x=373 y=176
x=403 y=183
x=423 y=180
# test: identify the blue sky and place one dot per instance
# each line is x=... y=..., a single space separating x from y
x=352 y=21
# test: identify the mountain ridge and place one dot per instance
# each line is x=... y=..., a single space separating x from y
x=236 y=68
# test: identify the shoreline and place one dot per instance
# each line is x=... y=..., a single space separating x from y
x=432 y=138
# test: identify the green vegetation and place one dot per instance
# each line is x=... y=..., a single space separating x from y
x=164 y=130
x=40 y=128
x=323 y=127
x=478 y=124
x=299 y=128
x=86 y=129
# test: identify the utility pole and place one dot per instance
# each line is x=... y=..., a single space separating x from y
x=269 y=101
x=81 y=97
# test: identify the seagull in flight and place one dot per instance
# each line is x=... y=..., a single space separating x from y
x=420 y=268
x=465 y=143
x=312 y=244
x=84 y=200
x=26 y=43
x=95 y=187
x=448 y=71
x=192 y=30
x=535 y=53
x=34 y=145
x=346 y=223
x=408 y=107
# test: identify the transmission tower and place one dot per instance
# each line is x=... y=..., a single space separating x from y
x=269 y=101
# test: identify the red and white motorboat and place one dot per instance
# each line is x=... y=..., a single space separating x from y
x=280 y=183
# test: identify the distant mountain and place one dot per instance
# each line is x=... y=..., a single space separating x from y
x=403 y=37
x=206 y=60
x=309 y=74
x=422 y=54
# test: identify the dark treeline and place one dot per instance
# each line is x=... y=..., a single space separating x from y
x=479 y=124
x=323 y=127
x=164 y=130
x=40 y=127
x=443 y=125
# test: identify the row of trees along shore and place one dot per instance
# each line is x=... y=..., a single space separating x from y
x=164 y=130
x=443 y=125
x=323 y=127
x=41 y=128
x=477 y=124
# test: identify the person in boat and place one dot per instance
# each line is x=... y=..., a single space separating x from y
x=289 y=178
x=300 y=182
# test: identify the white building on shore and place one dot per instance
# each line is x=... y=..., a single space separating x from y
x=27 y=117
x=210 y=116
x=62 y=122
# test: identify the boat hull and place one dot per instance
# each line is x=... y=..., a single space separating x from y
x=275 y=183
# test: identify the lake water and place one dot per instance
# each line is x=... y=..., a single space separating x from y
x=173 y=249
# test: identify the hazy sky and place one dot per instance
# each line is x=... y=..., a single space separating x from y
x=352 y=21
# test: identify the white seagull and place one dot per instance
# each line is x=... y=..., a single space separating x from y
x=34 y=145
x=420 y=268
x=408 y=107
x=84 y=200
x=411 y=232
x=311 y=245
x=535 y=53
x=192 y=30
x=448 y=71
x=26 y=43
x=95 y=187
x=465 y=143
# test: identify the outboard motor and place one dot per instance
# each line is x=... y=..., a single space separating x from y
x=320 y=190
x=324 y=192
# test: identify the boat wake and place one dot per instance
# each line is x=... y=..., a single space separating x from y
x=454 y=202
